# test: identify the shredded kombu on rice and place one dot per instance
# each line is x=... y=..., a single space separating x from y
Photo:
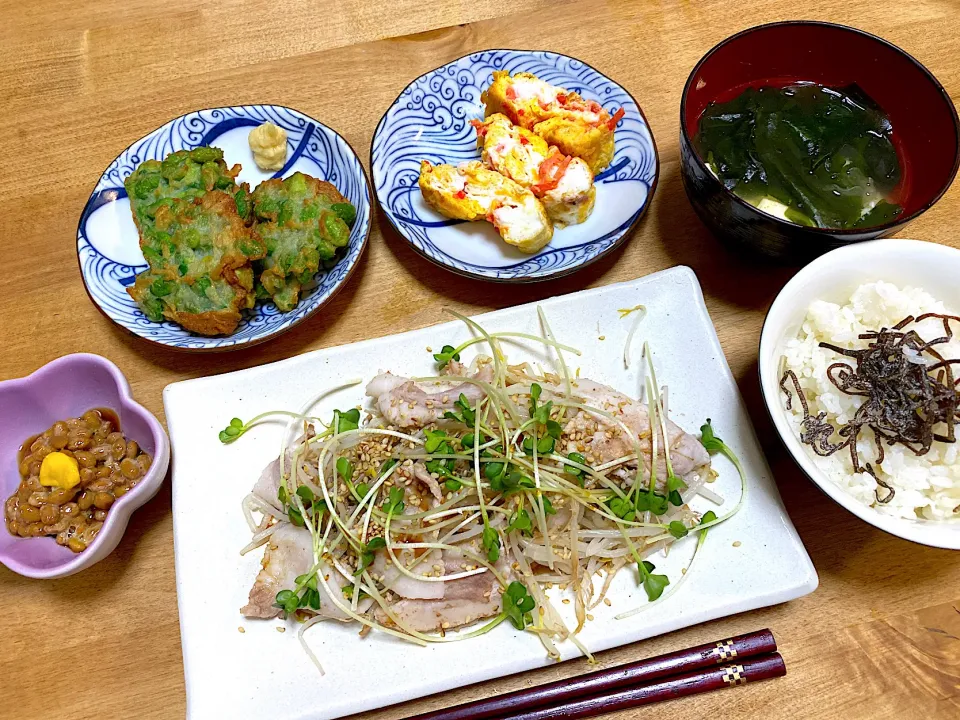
x=910 y=395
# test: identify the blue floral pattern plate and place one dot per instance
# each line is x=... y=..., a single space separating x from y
x=430 y=120
x=108 y=245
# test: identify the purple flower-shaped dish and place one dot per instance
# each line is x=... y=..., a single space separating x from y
x=65 y=388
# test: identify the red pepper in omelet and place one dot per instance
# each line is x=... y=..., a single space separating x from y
x=578 y=127
x=472 y=192
x=564 y=184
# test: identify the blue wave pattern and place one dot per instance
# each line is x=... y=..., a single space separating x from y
x=430 y=121
x=107 y=280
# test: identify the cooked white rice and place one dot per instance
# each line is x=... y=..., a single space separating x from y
x=927 y=486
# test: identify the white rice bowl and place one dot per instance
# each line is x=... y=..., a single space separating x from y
x=927 y=486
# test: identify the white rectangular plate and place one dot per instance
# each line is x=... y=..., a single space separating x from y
x=262 y=673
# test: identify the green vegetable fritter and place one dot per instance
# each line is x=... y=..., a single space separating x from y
x=303 y=222
x=209 y=242
x=200 y=253
x=183 y=175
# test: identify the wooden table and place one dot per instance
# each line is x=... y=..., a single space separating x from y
x=83 y=79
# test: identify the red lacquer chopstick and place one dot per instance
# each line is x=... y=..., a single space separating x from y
x=606 y=681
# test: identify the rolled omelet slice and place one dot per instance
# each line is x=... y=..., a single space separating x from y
x=594 y=145
x=563 y=184
x=578 y=127
x=473 y=192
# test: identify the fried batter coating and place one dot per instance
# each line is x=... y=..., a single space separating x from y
x=304 y=222
x=183 y=175
x=200 y=252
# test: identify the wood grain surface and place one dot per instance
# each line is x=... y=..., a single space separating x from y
x=82 y=79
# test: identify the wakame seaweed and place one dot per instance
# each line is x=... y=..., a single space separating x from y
x=824 y=153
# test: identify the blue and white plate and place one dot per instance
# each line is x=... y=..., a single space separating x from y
x=108 y=245
x=431 y=121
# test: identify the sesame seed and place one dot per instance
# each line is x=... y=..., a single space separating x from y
x=606 y=601
x=281 y=629
x=240 y=629
x=736 y=543
x=589 y=617
x=566 y=601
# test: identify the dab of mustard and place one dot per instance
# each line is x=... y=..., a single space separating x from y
x=59 y=470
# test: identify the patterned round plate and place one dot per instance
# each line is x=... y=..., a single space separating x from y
x=431 y=121
x=108 y=245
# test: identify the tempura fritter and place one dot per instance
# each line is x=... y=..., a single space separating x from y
x=303 y=222
x=183 y=175
x=200 y=252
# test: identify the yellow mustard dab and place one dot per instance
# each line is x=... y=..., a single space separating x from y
x=59 y=470
x=269 y=145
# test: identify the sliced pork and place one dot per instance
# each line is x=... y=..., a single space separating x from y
x=406 y=404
